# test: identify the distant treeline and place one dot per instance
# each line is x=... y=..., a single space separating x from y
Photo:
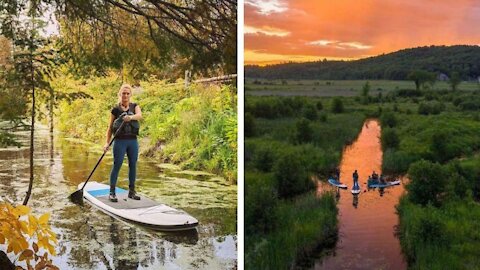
x=393 y=66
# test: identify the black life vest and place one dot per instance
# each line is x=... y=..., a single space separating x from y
x=131 y=128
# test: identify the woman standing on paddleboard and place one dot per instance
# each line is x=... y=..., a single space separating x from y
x=125 y=141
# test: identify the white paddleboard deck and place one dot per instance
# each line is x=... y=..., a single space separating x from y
x=356 y=189
x=145 y=211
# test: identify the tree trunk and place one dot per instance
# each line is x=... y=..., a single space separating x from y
x=5 y=263
x=50 y=113
x=32 y=130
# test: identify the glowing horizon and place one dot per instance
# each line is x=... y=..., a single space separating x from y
x=278 y=31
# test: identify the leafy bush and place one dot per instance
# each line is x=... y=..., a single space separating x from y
x=433 y=107
x=388 y=119
x=427 y=182
x=260 y=202
x=28 y=238
x=409 y=93
x=291 y=176
x=310 y=112
x=263 y=159
x=304 y=131
x=337 y=105
x=389 y=138
x=397 y=162
x=249 y=125
x=323 y=117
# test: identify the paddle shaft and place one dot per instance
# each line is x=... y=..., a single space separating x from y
x=104 y=152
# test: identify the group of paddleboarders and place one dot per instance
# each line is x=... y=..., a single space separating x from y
x=375 y=177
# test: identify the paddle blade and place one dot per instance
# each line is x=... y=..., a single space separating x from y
x=77 y=197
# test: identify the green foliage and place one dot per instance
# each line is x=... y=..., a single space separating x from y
x=260 y=203
x=304 y=131
x=428 y=181
x=433 y=107
x=392 y=66
x=366 y=89
x=422 y=78
x=263 y=159
x=128 y=38
x=364 y=95
x=310 y=112
x=198 y=127
x=323 y=117
x=388 y=119
x=304 y=225
x=249 y=125
x=397 y=162
x=454 y=80
x=291 y=176
x=389 y=138
x=7 y=139
x=440 y=238
x=337 y=105
x=319 y=105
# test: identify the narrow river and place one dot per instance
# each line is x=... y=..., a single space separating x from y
x=90 y=239
x=366 y=222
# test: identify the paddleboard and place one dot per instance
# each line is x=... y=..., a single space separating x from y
x=145 y=211
x=388 y=184
x=336 y=183
x=356 y=189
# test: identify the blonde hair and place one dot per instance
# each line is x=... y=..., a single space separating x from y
x=124 y=86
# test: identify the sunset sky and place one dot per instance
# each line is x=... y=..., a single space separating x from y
x=307 y=30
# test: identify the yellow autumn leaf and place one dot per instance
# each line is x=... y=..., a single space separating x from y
x=24 y=226
x=16 y=247
x=22 y=210
x=9 y=207
x=44 y=218
x=26 y=254
x=33 y=224
x=32 y=219
x=45 y=242
x=22 y=242
x=2 y=239
x=51 y=249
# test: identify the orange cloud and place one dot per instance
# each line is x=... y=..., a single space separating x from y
x=351 y=29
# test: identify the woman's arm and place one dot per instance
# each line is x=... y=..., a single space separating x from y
x=109 y=132
x=137 y=116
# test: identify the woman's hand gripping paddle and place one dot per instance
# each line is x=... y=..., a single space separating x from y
x=77 y=196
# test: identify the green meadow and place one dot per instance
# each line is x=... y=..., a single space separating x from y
x=347 y=88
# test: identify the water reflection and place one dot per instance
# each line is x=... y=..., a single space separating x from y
x=366 y=221
x=355 y=201
x=90 y=239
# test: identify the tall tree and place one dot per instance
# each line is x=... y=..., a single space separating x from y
x=32 y=63
x=421 y=78
x=200 y=35
x=454 y=80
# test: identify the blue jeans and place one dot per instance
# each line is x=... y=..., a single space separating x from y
x=120 y=147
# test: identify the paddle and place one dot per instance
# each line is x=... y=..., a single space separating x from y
x=77 y=196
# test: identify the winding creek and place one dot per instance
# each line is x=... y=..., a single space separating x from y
x=367 y=222
x=90 y=239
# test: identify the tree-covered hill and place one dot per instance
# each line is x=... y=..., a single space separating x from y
x=393 y=66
